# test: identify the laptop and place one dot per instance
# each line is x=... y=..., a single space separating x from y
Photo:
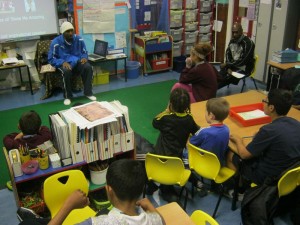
x=100 y=51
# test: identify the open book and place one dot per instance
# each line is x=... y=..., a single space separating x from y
x=10 y=61
x=47 y=68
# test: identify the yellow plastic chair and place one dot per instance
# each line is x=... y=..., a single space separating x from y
x=59 y=186
x=289 y=182
x=207 y=165
x=252 y=75
x=202 y=218
x=167 y=170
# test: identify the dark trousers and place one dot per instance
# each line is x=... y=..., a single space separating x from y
x=86 y=73
x=37 y=221
x=225 y=79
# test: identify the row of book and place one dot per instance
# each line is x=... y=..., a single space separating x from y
x=92 y=131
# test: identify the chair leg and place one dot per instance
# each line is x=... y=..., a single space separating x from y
x=185 y=199
x=145 y=188
x=254 y=83
x=218 y=203
x=244 y=83
x=235 y=192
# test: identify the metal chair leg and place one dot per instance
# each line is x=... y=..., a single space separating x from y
x=254 y=83
x=244 y=84
x=218 y=203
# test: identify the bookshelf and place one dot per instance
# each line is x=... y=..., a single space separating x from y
x=154 y=53
x=33 y=183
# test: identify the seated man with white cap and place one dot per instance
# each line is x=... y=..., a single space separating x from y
x=69 y=55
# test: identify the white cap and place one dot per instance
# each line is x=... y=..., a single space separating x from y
x=66 y=26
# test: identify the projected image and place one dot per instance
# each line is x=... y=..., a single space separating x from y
x=29 y=6
x=27 y=19
x=7 y=7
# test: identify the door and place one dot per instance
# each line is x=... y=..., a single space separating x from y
x=262 y=38
x=278 y=26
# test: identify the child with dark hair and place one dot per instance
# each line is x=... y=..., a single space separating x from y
x=175 y=125
x=125 y=180
x=32 y=133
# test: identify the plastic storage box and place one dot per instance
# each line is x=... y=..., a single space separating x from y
x=205 y=5
x=247 y=108
x=204 y=37
x=176 y=34
x=191 y=4
x=191 y=15
x=176 y=18
x=187 y=49
x=179 y=63
x=205 y=18
x=192 y=26
x=101 y=78
x=191 y=37
x=175 y=4
x=205 y=29
x=160 y=64
x=177 y=48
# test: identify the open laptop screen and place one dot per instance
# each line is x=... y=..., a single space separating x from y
x=100 y=48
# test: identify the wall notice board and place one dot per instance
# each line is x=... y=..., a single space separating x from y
x=119 y=38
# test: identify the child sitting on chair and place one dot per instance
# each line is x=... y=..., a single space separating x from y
x=32 y=133
x=214 y=138
x=125 y=180
x=175 y=125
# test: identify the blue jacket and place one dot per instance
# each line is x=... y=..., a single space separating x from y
x=62 y=51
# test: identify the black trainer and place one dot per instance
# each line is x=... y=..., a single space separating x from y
x=24 y=213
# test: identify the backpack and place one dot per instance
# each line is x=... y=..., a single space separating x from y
x=260 y=203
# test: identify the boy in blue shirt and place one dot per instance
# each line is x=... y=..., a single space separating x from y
x=214 y=138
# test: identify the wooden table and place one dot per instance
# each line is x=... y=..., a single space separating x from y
x=282 y=67
x=198 y=111
x=173 y=214
x=19 y=66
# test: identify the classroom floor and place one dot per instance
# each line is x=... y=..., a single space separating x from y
x=15 y=98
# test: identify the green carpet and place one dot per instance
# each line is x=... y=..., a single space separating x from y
x=144 y=103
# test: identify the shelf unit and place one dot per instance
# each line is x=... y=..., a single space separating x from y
x=154 y=53
x=35 y=181
x=101 y=143
x=190 y=22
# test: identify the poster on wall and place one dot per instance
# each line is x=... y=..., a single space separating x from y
x=98 y=16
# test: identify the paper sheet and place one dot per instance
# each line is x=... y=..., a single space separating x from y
x=252 y=114
x=237 y=75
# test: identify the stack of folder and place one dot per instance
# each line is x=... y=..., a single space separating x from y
x=83 y=134
x=285 y=56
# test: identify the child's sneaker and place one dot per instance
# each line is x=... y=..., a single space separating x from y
x=230 y=195
x=201 y=189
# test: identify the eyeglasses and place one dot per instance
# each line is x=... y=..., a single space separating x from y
x=265 y=101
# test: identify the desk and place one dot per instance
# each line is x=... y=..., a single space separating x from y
x=173 y=214
x=198 y=111
x=98 y=62
x=19 y=66
x=282 y=67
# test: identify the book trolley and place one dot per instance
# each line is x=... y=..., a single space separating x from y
x=79 y=142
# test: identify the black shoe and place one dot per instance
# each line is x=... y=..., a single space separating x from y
x=151 y=187
x=24 y=213
x=168 y=197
